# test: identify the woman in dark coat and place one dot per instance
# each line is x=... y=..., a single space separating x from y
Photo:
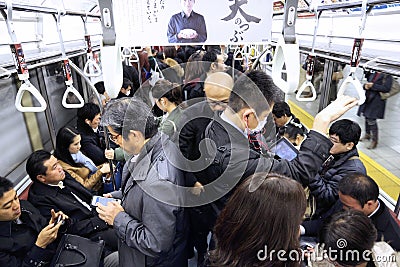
x=374 y=106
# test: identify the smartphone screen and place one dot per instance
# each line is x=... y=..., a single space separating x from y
x=102 y=200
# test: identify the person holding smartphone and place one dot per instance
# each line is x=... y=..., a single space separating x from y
x=26 y=237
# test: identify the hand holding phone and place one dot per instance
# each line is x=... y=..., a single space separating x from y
x=58 y=220
x=103 y=200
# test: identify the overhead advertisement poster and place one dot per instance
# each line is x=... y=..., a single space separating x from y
x=163 y=22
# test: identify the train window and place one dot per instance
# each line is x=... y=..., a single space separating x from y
x=16 y=145
x=55 y=87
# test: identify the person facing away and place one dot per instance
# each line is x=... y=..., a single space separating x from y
x=374 y=106
x=349 y=240
x=343 y=160
x=150 y=222
x=26 y=237
x=78 y=165
x=187 y=26
x=52 y=188
x=261 y=216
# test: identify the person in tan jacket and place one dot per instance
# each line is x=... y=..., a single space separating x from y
x=79 y=166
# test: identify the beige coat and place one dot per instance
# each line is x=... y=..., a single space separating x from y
x=81 y=174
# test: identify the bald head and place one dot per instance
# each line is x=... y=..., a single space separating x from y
x=218 y=87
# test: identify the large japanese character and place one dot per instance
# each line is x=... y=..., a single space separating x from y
x=237 y=7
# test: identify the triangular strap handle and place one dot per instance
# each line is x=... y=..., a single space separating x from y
x=91 y=68
x=288 y=55
x=27 y=86
x=71 y=89
x=4 y=73
x=126 y=53
x=356 y=83
x=306 y=84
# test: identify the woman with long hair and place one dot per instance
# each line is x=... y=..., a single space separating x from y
x=72 y=160
x=263 y=215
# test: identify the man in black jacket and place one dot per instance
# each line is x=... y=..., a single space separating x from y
x=236 y=147
x=53 y=188
x=360 y=192
x=26 y=237
x=92 y=139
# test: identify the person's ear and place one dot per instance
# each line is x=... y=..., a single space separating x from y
x=41 y=178
x=349 y=145
x=87 y=121
x=246 y=114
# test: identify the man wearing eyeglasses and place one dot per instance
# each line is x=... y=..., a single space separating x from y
x=217 y=88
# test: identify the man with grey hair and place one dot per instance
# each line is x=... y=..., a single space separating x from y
x=150 y=221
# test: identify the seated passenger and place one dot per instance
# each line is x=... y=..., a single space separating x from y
x=26 y=237
x=349 y=240
x=361 y=192
x=79 y=166
x=168 y=97
x=343 y=160
x=261 y=216
x=88 y=126
x=150 y=224
x=52 y=188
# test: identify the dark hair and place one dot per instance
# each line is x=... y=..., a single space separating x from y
x=171 y=91
x=280 y=109
x=126 y=114
x=253 y=85
x=170 y=52
x=208 y=58
x=35 y=164
x=100 y=87
x=126 y=83
x=360 y=187
x=349 y=231
x=194 y=66
x=65 y=137
x=269 y=216
x=295 y=127
x=5 y=185
x=88 y=111
x=347 y=131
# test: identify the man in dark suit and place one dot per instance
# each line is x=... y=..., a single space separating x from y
x=53 y=188
x=26 y=237
x=360 y=192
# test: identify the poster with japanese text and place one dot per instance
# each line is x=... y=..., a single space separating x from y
x=163 y=22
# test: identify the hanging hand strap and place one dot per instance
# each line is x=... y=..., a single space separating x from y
x=307 y=83
x=67 y=70
x=4 y=73
x=286 y=54
x=91 y=68
x=351 y=79
x=21 y=67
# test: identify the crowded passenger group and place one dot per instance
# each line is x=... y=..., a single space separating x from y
x=198 y=180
